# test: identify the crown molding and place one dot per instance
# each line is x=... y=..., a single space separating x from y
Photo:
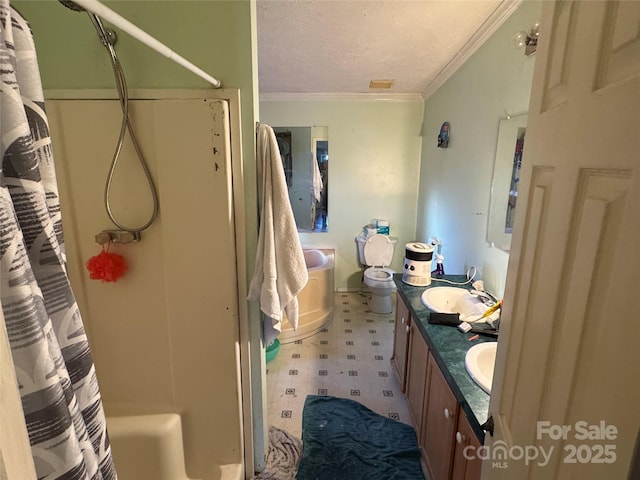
x=331 y=97
x=491 y=24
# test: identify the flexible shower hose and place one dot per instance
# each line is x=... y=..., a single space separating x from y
x=121 y=85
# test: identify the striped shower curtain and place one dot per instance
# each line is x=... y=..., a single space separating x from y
x=56 y=376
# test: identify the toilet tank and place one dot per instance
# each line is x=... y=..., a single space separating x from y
x=360 y=241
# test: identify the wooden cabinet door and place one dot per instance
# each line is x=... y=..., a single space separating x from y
x=401 y=343
x=465 y=466
x=416 y=376
x=437 y=437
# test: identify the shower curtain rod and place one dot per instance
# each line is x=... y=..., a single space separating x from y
x=94 y=6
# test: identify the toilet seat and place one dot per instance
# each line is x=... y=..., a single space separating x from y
x=379 y=277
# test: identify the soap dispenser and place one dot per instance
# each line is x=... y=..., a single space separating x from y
x=439 y=265
x=439 y=258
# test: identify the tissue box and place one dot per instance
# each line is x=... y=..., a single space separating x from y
x=382 y=226
x=376 y=226
x=369 y=230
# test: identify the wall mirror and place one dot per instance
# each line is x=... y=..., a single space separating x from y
x=506 y=179
x=305 y=158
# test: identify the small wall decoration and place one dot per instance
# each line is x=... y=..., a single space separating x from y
x=443 y=137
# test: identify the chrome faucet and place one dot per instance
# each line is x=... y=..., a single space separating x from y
x=484 y=297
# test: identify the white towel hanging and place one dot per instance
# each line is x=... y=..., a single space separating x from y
x=280 y=271
x=317 y=186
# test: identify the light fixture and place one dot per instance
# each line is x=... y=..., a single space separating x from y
x=528 y=40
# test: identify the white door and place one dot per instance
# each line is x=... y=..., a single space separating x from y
x=568 y=362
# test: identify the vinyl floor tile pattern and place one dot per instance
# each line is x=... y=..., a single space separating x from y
x=350 y=358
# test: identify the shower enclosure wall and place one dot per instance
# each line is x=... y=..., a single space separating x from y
x=165 y=336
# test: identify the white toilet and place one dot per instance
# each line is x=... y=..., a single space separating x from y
x=376 y=251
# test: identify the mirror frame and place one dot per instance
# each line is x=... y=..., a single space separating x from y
x=501 y=182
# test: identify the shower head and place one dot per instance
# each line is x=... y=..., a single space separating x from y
x=106 y=35
x=72 y=6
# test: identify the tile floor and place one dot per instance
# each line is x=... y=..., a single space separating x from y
x=351 y=358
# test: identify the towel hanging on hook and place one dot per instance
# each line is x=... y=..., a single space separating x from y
x=280 y=271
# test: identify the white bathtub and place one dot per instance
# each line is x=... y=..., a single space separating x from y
x=316 y=300
x=149 y=447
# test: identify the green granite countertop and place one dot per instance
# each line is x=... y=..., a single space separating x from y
x=448 y=345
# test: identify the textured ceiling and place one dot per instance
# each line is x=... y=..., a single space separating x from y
x=338 y=46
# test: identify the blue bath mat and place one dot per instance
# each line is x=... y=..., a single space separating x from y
x=344 y=440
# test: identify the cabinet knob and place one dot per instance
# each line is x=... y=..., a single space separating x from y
x=460 y=438
x=407 y=327
x=448 y=413
x=404 y=322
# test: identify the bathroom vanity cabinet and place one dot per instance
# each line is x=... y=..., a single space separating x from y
x=463 y=468
x=442 y=426
x=446 y=432
x=440 y=422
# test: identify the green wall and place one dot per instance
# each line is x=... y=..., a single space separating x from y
x=374 y=151
x=214 y=35
x=455 y=183
x=217 y=36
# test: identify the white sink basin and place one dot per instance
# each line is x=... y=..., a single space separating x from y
x=443 y=299
x=479 y=362
x=456 y=300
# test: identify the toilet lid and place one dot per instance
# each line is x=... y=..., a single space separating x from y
x=378 y=251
